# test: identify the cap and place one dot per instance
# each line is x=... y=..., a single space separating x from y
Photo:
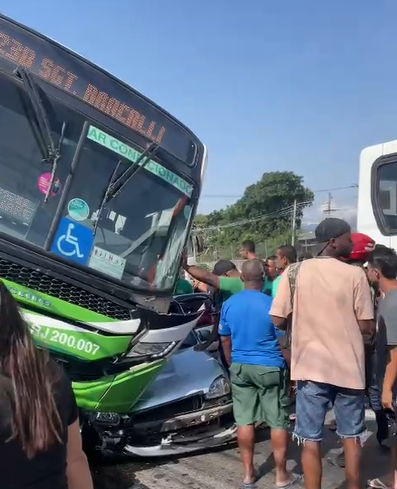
x=331 y=228
x=362 y=247
x=223 y=266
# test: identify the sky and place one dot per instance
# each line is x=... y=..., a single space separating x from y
x=267 y=85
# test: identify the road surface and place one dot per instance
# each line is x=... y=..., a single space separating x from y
x=221 y=469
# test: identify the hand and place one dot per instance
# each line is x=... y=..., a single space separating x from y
x=201 y=346
x=292 y=389
x=195 y=284
x=387 y=399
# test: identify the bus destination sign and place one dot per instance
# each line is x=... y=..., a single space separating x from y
x=68 y=72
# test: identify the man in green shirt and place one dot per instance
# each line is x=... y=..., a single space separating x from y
x=271 y=275
x=224 y=281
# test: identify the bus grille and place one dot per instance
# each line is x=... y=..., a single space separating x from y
x=62 y=290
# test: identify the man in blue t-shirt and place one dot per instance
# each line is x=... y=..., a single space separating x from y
x=257 y=371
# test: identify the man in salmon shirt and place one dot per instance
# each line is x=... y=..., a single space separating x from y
x=331 y=309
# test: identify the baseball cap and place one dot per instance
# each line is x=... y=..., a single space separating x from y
x=331 y=228
x=362 y=247
x=222 y=267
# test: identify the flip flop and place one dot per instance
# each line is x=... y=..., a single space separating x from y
x=248 y=485
x=377 y=484
x=251 y=485
x=294 y=479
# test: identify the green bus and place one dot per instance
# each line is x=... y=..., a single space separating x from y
x=99 y=187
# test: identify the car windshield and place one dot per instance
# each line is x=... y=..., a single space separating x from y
x=141 y=231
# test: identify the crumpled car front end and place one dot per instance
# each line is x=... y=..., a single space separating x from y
x=187 y=408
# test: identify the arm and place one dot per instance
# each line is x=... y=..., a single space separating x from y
x=388 y=324
x=77 y=470
x=225 y=334
x=227 y=348
x=389 y=378
x=212 y=338
x=203 y=276
x=363 y=304
x=281 y=309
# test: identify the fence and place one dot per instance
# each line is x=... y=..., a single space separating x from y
x=232 y=252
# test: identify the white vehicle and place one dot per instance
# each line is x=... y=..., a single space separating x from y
x=377 y=196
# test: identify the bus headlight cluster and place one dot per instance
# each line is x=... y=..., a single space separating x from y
x=152 y=350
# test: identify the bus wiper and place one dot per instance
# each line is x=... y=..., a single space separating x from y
x=116 y=185
x=51 y=151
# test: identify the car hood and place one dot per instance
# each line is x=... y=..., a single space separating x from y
x=186 y=373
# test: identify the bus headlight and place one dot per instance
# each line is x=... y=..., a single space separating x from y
x=219 y=387
x=153 y=350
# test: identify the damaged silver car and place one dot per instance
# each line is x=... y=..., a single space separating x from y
x=187 y=408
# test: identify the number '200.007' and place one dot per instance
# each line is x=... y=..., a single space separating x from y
x=65 y=339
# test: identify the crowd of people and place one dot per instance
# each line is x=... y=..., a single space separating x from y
x=323 y=327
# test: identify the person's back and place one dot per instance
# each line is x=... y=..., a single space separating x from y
x=252 y=332
x=40 y=441
x=46 y=470
x=183 y=286
x=257 y=371
x=327 y=344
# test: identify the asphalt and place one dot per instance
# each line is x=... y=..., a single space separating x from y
x=221 y=469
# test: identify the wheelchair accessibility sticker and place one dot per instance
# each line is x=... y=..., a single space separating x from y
x=73 y=241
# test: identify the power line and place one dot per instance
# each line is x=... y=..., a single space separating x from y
x=271 y=215
x=225 y=196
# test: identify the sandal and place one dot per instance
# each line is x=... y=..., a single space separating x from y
x=294 y=479
x=377 y=484
x=251 y=485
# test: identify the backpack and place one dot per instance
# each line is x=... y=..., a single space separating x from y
x=292 y=273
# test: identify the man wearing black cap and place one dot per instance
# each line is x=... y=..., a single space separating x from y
x=331 y=308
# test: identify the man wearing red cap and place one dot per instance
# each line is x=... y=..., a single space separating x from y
x=362 y=247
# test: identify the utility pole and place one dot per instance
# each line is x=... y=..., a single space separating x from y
x=294 y=223
x=327 y=207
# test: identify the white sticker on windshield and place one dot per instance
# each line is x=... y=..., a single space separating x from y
x=107 y=262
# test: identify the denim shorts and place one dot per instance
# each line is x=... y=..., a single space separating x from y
x=313 y=400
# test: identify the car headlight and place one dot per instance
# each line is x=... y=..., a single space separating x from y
x=153 y=350
x=219 y=387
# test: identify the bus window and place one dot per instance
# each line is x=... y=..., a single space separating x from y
x=385 y=196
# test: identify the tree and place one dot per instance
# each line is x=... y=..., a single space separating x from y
x=264 y=211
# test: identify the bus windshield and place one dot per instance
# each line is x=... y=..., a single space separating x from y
x=140 y=232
